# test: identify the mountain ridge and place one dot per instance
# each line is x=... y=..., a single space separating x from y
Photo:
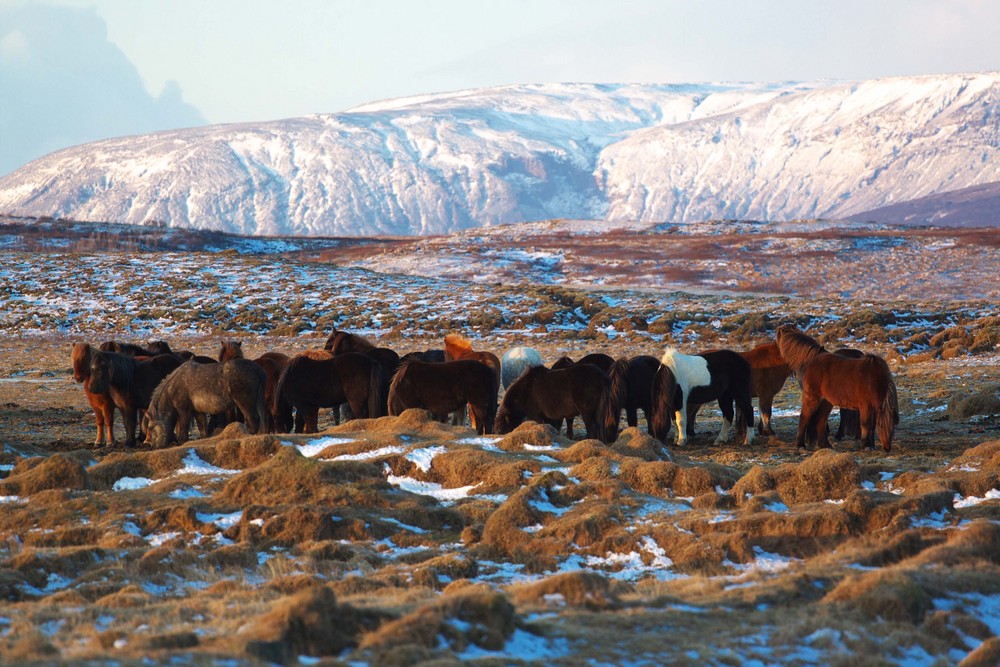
x=440 y=163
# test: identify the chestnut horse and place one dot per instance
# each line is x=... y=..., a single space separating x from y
x=446 y=387
x=103 y=406
x=850 y=420
x=130 y=383
x=864 y=384
x=548 y=396
x=683 y=380
x=768 y=372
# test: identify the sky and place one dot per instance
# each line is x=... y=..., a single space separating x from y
x=73 y=71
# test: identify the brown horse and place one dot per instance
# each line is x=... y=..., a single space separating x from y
x=632 y=384
x=768 y=372
x=103 y=406
x=445 y=387
x=458 y=347
x=272 y=363
x=683 y=380
x=548 y=396
x=850 y=420
x=864 y=384
x=130 y=383
x=341 y=342
x=599 y=359
x=308 y=384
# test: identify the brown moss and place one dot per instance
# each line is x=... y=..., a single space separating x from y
x=309 y=623
x=493 y=472
x=635 y=443
x=52 y=472
x=485 y=619
x=986 y=654
x=440 y=571
x=576 y=589
x=288 y=477
x=986 y=401
x=531 y=433
x=886 y=594
x=242 y=453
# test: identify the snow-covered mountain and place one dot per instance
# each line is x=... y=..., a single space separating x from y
x=440 y=163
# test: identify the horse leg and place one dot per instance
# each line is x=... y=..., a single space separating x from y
x=692 y=417
x=867 y=423
x=108 y=412
x=726 y=406
x=821 y=420
x=681 y=417
x=632 y=416
x=130 y=417
x=809 y=404
x=766 y=403
x=744 y=419
x=569 y=427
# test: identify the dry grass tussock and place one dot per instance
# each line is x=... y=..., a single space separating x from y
x=576 y=589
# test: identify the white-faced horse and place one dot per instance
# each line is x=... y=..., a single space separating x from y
x=687 y=380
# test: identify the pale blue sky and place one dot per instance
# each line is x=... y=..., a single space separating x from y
x=251 y=60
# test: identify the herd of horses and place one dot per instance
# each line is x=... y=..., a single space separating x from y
x=164 y=391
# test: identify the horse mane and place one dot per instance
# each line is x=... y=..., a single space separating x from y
x=797 y=349
x=456 y=346
x=122 y=369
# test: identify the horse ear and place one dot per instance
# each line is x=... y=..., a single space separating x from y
x=239 y=344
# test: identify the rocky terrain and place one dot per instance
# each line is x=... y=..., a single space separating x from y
x=401 y=541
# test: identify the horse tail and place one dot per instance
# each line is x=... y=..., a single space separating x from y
x=661 y=398
x=491 y=408
x=602 y=411
x=396 y=403
x=888 y=413
x=279 y=404
x=374 y=386
x=619 y=374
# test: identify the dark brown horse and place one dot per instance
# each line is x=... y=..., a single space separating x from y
x=632 y=385
x=683 y=380
x=341 y=342
x=445 y=387
x=427 y=356
x=308 y=384
x=129 y=349
x=458 y=347
x=599 y=359
x=828 y=379
x=548 y=396
x=102 y=405
x=130 y=383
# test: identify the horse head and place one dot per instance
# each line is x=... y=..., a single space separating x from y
x=231 y=349
x=101 y=372
x=81 y=361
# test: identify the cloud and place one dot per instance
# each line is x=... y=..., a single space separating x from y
x=65 y=84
